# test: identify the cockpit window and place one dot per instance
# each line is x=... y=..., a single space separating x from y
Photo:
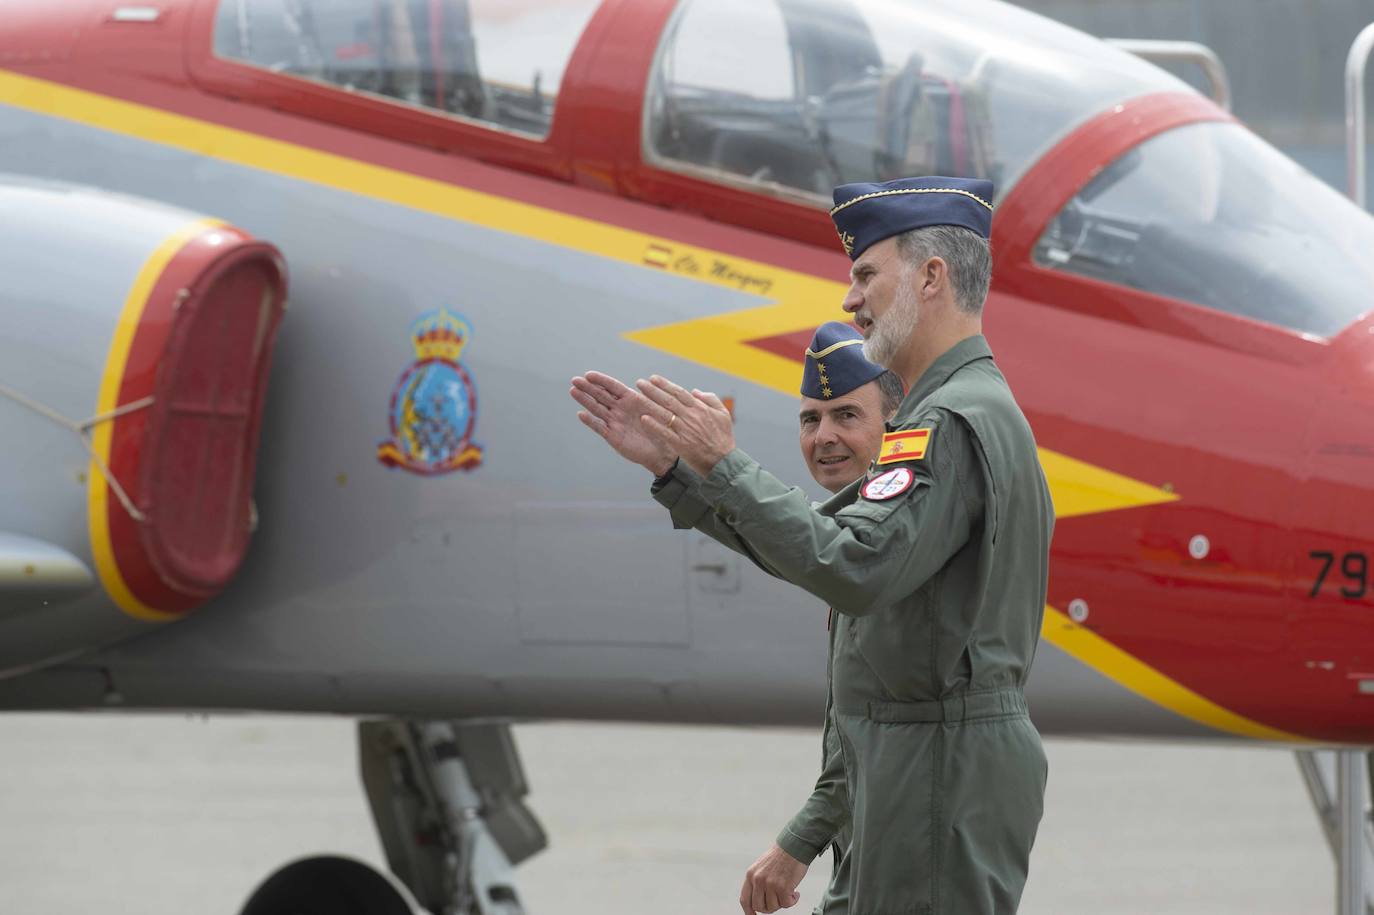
x=796 y=96
x=494 y=61
x=1210 y=214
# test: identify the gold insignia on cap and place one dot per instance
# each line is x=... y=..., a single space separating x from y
x=848 y=241
x=825 y=392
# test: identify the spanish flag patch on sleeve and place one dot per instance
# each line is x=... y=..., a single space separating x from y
x=906 y=445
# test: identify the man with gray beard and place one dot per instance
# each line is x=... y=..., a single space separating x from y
x=936 y=560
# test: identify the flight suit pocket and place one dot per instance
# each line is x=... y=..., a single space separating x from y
x=893 y=785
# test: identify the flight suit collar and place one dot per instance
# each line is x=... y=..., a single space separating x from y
x=952 y=360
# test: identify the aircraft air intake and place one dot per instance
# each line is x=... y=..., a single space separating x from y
x=134 y=391
x=196 y=472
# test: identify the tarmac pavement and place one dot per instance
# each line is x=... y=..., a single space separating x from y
x=169 y=815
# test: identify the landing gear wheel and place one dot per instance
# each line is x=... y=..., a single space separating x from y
x=326 y=885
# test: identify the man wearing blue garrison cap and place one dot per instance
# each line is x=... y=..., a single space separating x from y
x=936 y=560
x=845 y=401
x=835 y=395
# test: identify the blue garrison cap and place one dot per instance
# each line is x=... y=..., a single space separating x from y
x=867 y=212
x=835 y=362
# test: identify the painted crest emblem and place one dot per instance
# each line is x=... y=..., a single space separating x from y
x=434 y=404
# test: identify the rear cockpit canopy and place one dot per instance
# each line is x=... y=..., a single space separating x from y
x=800 y=95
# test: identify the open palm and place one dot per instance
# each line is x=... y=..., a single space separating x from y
x=612 y=410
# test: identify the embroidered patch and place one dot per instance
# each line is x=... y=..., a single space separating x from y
x=907 y=445
x=889 y=485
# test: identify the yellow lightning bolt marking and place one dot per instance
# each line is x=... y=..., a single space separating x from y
x=721 y=342
x=798 y=301
x=1079 y=488
x=1091 y=649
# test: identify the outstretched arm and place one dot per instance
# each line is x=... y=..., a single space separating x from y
x=867 y=553
x=859 y=559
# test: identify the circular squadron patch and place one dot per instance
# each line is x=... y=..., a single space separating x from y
x=889 y=485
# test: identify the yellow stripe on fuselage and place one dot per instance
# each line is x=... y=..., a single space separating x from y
x=98 y=493
x=718 y=342
x=1102 y=656
x=796 y=301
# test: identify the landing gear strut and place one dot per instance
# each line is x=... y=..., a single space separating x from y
x=1337 y=782
x=446 y=797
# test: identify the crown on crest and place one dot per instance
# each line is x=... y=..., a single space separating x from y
x=439 y=334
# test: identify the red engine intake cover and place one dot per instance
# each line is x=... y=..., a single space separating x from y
x=187 y=378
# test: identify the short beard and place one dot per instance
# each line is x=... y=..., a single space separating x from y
x=891 y=332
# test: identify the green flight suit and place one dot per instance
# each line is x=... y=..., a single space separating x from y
x=941 y=591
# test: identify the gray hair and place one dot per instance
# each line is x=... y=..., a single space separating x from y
x=967 y=254
x=892 y=391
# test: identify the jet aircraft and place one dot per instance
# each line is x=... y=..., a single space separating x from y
x=293 y=290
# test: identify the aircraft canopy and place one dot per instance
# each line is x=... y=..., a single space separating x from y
x=801 y=95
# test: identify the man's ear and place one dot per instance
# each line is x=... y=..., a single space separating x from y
x=934 y=277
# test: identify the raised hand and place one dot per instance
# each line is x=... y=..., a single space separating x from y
x=612 y=410
x=692 y=424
